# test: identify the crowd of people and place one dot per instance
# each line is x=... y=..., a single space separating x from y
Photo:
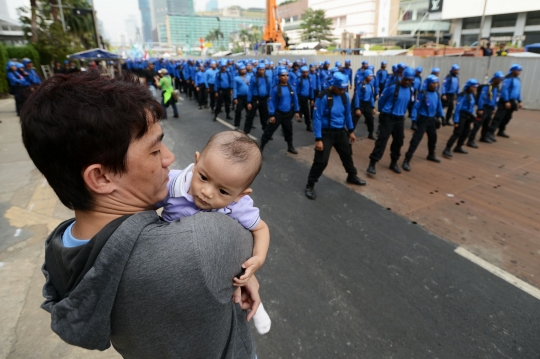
x=320 y=94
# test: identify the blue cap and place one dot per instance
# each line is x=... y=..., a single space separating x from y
x=401 y=65
x=455 y=67
x=340 y=80
x=19 y=65
x=26 y=61
x=313 y=64
x=368 y=73
x=261 y=66
x=435 y=69
x=471 y=83
x=223 y=63
x=338 y=64
x=320 y=63
x=327 y=62
x=11 y=63
x=241 y=67
x=283 y=71
x=419 y=69
x=383 y=62
x=516 y=67
x=432 y=79
x=371 y=67
x=365 y=62
x=409 y=73
x=334 y=69
x=304 y=69
x=498 y=75
x=211 y=63
x=347 y=61
x=394 y=68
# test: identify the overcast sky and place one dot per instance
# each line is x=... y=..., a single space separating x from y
x=113 y=13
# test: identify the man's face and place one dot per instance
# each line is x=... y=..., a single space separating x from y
x=261 y=72
x=242 y=72
x=305 y=74
x=364 y=66
x=368 y=78
x=147 y=162
x=432 y=86
x=383 y=67
x=455 y=72
x=347 y=65
x=29 y=66
x=249 y=68
x=283 y=78
x=405 y=82
x=473 y=89
x=151 y=65
x=337 y=90
x=516 y=73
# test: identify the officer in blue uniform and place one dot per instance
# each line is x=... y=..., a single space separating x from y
x=314 y=76
x=17 y=86
x=259 y=90
x=393 y=105
x=282 y=106
x=417 y=86
x=427 y=112
x=488 y=96
x=347 y=71
x=364 y=102
x=200 y=87
x=333 y=127
x=509 y=102
x=209 y=82
x=223 y=89
x=325 y=76
x=240 y=95
x=31 y=76
x=434 y=71
x=306 y=96
x=382 y=75
x=450 y=90
x=463 y=118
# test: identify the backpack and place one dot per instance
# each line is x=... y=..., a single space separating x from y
x=330 y=102
x=257 y=84
x=280 y=93
x=396 y=95
x=480 y=89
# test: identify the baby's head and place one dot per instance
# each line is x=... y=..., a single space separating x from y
x=224 y=170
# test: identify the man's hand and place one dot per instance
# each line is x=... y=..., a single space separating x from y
x=272 y=119
x=217 y=95
x=444 y=97
x=375 y=112
x=352 y=137
x=520 y=106
x=358 y=113
x=251 y=266
x=235 y=101
x=319 y=146
x=250 y=299
x=312 y=103
x=507 y=105
x=196 y=88
x=480 y=113
x=456 y=125
x=249 y=107
x=376 y=97
x=297 y=116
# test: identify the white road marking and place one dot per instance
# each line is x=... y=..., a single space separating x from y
x=527 y=288
x=17 y=232
x=181 y=99
x=31 y=206
x=224 y=123
x=1 y=264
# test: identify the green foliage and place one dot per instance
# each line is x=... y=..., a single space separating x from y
x=395 y=48
x=316 y=26
x=376 y=48
x=288 y=2
x=21 y=52
x=3 y=63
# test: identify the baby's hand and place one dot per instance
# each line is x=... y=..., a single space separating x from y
x=251 y=266
x=237 y=295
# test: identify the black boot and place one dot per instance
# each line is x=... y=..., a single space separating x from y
x=228 y=117
x=370 y=136
x=502 y=134
x=310 y=192
x=432 y=157
x=215 y=118
x=485 y=139
x=261 y=145
x=447 y=152
x=354 y=179
x=413 y=126
x=371 y=168
x=472 y=144
x=291 y=149
x=460 y=150
x=394 y=167
x=406 y=165
x=491 y=136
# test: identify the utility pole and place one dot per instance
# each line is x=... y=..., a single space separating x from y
x=96 y=31
x=62 y=15
x=481 y=29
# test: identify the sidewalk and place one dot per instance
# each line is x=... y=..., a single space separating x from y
x=29 y=211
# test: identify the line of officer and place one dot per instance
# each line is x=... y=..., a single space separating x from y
x=18 y=85
x=450 y=90
x=382 y=75
x=209 y=82
x=427 y=114
x=488 y=98
x=463 y=118
x=223 y=88
x=200 y=87
x=240 y=94
x=393 y=105
x=259 y=91
x=282 y=106
x=306 y=96
x=509 y=102
x=417 y=86
x=364 y=102
x=333 y=127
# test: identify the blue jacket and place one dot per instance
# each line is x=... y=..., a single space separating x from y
x=186 y=72
x=200 y=78
x=32 y=77
x=489 y=96
x=315 y=81
x=223 y=81
x=465 y=102
x=241 y=86
x=324 y=79
x=293 y=79
x=304 y=88
x=364 y=93
x=16 y=79
x=381 y=76
x=417 y=83
x=428 y=104
x=210 y=77
x=340 y=116
x=511 y=89
x=259 y=86
x=450 y=84
x=386 y=101
x=284 y=102
x=348 y=72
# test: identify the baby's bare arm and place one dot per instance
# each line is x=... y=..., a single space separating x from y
x=261 y=242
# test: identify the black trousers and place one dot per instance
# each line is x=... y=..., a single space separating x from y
x=424 y=125
x=285 y=120
x=389 y=125
x=312 y=108
x=461 y=132
x=484 y=123
x=450 y=110
x=367 y=112
x=502 y=118
x=305 y=109
x=212 y=95
x=186 y=88
x=177 y=84
x=242 y=105
x=338 y=139
x=20 y=93
x=224 y=97
x=261 y=104
x=202 y=95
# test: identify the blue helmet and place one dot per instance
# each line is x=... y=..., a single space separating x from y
x=26 y=61
x=261 y=66
x=223 y=63
x=19 y=65
x=401 y=65
x=371 y=67
x=365 y=62
x=419 y=69
x=283 y=71
x=455 y=67
x=11 y=64
x=241 y=67
x=471 y=83
x=409 y=73
x=348 y=61
x=435 y=69
x=368 y=73
x=432 y=79
x=383 y=62
x=394 y=68
x=313 y=64
x=338 y=64
x=304 y=69
x=498 y=75
x=516 y=67
x=326 y=62
x=340 y=80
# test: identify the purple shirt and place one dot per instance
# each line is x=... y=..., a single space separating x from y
x=179 y=203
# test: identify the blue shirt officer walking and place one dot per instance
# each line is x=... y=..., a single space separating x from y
x=240 y=94
x=259 y=90
x=450 y=90
x=306 y=96
x=364 y=102
x=333 y=127
x=223 y=88
x=488 y=97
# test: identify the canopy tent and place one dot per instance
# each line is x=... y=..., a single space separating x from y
x=94 y=54
x=533 y=48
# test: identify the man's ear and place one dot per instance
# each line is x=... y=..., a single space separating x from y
x=197 y=157
x=246 y=192
x=98 y=180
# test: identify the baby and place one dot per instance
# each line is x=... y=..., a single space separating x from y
x=219 y=181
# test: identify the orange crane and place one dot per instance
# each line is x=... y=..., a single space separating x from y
x=272 y=29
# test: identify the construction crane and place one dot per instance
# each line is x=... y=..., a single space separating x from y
x=273 y=36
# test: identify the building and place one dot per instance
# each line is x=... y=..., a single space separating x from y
x=159 y=11
x=11 y=32
x=180 y=7
x=370 y=18
x=517 y=22
x=146 y=17
x=291 y=15
x=414 y=19
x=212 y=5
x=131 y=25
x=187 y=30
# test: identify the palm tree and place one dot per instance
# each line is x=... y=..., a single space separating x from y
x=245 y=37
x=33 y=21
x=214 y=35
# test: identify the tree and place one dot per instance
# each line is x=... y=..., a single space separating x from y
x=214 y=35
x=33 y=20
x=316 y=26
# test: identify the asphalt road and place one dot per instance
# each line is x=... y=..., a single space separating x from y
x=347 y=278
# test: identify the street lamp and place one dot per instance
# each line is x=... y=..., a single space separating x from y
x=219 y=29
